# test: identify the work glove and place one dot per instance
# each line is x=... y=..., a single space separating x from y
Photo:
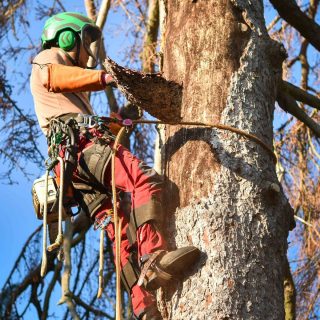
x=108 y=80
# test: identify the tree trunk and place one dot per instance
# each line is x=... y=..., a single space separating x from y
x=219 y=182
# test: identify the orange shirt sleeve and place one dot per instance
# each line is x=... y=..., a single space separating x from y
x=63 y=78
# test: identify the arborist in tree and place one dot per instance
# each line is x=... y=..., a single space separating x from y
x=59 y=81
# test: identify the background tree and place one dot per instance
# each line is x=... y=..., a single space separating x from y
x=224 y=193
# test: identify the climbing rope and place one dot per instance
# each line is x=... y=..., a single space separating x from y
x=117 y=224
x=101 y=260
x=44 y=261
x=250 y=136
x=59 y=240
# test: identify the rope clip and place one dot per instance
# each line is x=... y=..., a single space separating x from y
x=127 y=122
x=88 y=121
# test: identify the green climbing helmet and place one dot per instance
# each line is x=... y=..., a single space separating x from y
x=66 y=28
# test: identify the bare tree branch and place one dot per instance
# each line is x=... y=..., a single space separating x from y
x=300 y=94
x=273 y=23
x=88 y=307
x=114 y=107
x=150 y=42
x=291 y=12
x=52 y=283
x=289 y=104
x=67 y=266
x=100 y=21
x=91 y=9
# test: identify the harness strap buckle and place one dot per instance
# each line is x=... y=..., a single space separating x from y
x=86 y=120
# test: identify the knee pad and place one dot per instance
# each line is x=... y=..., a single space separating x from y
x=151 y=211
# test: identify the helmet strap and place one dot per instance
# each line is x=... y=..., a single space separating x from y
x=78 y=44
x=73 y=61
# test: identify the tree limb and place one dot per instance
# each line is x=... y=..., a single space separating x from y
x=88 y=307
x=22 y=253
x=33 y=277
x=273 y=23
x=108 y=90
x=150 y=41
x=289 y=104
x=65 y=279
x=91 y=9
x=100 y=21
x=34 y=300
x=300 y=94
x=79 y=266
x=49 y=290
x=291 y=12
x=289 y=293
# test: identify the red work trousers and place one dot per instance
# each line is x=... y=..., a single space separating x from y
x=132 y=175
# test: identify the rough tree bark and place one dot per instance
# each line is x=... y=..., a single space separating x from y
x=219 y=65
x=218 y=182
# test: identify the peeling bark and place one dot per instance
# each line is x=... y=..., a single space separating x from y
x=151 y=92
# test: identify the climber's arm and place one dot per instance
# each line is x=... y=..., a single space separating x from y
x=61 y=78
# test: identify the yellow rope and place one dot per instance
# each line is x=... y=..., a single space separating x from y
x=118 y=305
x=101 y=259
x=59 y=240
x=218 y=126
x=44 y=261
x=117 y=225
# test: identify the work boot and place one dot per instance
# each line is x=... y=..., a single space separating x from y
x=161 y=267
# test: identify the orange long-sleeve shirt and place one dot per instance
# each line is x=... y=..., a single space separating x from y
x=58 y=87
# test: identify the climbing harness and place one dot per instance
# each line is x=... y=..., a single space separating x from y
x=51 y=197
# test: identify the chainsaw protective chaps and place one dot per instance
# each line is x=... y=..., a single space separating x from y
x=93 y=162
